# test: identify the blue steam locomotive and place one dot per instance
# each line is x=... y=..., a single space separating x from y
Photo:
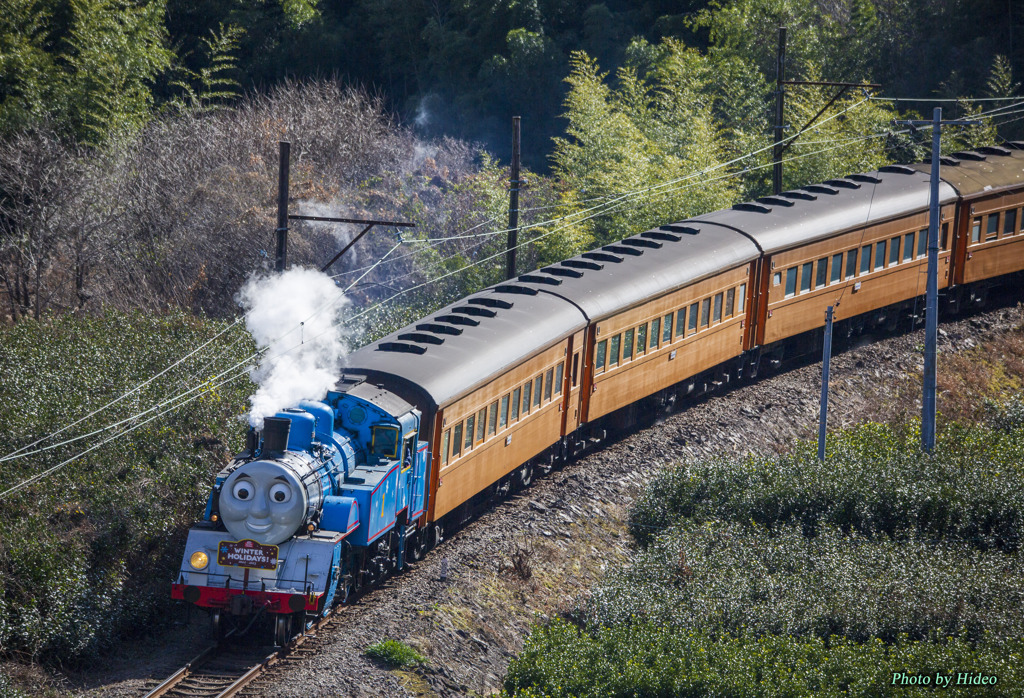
x=327 y=498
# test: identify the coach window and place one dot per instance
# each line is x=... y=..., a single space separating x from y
x=908 y=247
x=515 y=404
x=470 y=422
x=457 y=440
x=865 y=259
x=536 y=390
x=691 y=324
x=776 y=278
x=1020 y=219
x=481 y=423
x=559 y=378
x=705 y=312
x=822 y=277
x=575 y=369
x=718 y=308
x=492 y=418
x=894 y=251
x=879 y=255
x=602 y=349
x=655 y=329
x=837 y=268
x=741 y=301
x=851 y=264
x=666 y=332
x=730 y=301
x=791 y=281
x=1010 y=222
x=444 y=446
x=641 y=339
x=922 y=242
x=526 y=397
x=627 y=345
x=976 y=230
x=805 y=277
x=681 y=322
x=613 y=354
x=503 y=412
x=992 y=229
x=945 y=235
x=548 y=380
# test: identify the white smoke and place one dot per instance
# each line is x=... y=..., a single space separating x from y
x=300 y=361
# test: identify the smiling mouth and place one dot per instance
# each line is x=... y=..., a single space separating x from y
x=258 y=528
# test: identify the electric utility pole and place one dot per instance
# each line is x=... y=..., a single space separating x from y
x=283 y=216
x=931 y=322
x=513 y=205
x=782 y=143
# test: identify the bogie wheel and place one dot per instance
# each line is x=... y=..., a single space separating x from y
x=503 y=488
x=282 y=629
x=417 y=546
x=525 y=476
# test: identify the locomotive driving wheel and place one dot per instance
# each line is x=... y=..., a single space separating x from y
x=282 y=629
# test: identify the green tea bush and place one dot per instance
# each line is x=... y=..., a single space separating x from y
x=730 y=578
x=395 y=654
x=88 y=552
x=874 y=481
x=649 y=660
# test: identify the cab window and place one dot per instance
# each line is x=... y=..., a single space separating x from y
x=385 y=441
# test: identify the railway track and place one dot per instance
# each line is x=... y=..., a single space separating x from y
x=224 y=670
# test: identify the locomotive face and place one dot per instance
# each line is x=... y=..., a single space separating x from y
x=262 y=501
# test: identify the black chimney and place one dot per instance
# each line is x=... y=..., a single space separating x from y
x=275 y=434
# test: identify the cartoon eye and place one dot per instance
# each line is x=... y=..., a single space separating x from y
x=280 y=493
x=242 y=491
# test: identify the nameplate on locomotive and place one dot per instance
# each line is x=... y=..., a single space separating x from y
x=246 y=553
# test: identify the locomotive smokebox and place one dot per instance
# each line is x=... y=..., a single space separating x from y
x=275 y=434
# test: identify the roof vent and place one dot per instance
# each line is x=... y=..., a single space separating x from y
x=402 y=348
x=511 y=288
x=422 y=337
x=970 y=155
x=842 y=183
x=439 y=329
x=751 y=207
x=641 y=242
x=473 y=310
x=561 y=271
x=870 y=179
x=821 y=189
x=619 y=249
x=491 y=302
x=775 y=201
x=802 y=195
x=582 y=264
x=537 y=279
x=458 y=320
x=660 y=235
x=950 y=161
x=897 y=169
x=602 y=257
x=993 y=150
x=684 y=229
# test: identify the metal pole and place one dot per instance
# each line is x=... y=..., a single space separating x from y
x=513 y=205
x=826 y=359
x=932 y=298
x=282 y=206
x=780 y=77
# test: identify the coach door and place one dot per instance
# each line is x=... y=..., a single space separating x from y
x=571 y=407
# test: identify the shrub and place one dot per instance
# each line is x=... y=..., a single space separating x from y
x=88 y=553
x=649 y=660
x=395 y=654
x=874 y=481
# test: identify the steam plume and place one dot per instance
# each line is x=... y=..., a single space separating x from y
x=301 y=362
